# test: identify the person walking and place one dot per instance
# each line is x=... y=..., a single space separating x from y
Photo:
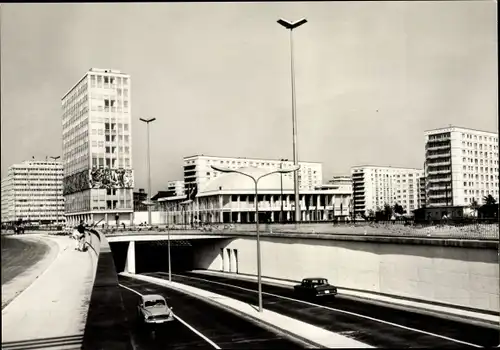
x=81 y=236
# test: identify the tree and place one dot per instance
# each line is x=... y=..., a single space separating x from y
x=489 y=199
x=387 y=211
x=398 y=209
x=474 y=205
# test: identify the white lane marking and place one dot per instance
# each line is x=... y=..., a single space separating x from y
x=338 y=310
x=197 y=332
x=179 y=319
x=130 y=289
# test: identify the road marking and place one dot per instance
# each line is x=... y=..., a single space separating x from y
x=337 y=310
x=197 y=332
x=130 y=289
x=194 y=330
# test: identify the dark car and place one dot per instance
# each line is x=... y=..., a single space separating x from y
x=315 y=287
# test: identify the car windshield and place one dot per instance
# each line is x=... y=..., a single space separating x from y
x=318 y=282
x=154 y=303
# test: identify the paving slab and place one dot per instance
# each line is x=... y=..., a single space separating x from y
x=55 y=305
x=286 y=324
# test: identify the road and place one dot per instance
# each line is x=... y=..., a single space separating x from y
x=18 y=255
x=221 y=327
x=371 y=324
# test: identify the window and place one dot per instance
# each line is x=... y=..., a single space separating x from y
x=125 y=104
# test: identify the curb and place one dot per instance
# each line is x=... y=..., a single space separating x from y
x=264 y=324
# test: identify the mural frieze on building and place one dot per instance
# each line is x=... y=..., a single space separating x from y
x=76 y=182
x=111 y=178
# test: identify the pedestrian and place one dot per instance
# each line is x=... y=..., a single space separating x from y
x=76 y=236
x=81 y=236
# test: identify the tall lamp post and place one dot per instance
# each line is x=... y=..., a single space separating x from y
x=55 y=158
x=291 y=26
x=147 y=121
x=256 y=181
x=281 y=186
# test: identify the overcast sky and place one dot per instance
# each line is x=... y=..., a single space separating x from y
x=370 y=77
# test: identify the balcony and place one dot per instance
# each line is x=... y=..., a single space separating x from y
x=441 y=179
x=439 y=172
x=439 y=155
x=440 y=163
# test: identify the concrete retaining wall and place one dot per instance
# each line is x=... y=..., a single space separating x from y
x=462 y=276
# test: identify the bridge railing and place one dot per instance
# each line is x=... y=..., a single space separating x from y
x=473 y=230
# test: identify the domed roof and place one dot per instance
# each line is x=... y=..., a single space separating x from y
x=237 y=182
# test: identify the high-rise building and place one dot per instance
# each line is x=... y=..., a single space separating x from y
x=422 y=199
x=461 y=166
x=97 y=148
x=32 y=191
x=376 y=186
x=175 y=188
x=197 y=169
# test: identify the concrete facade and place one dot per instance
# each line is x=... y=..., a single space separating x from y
x=97 y=148
x=33 y=191
x=462 y=276
x=461 y=166
x=198 y=171
x=375 y=186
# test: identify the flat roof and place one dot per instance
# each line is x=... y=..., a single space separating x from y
x=461 y=128
x=246 y=158
x=385 y=166
x=95 y=70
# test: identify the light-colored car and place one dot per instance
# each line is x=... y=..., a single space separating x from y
x=153 y=309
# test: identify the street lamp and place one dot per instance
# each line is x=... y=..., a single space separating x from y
x=281 y=185
x=147 y=121
x=291 y=27
x=256 y=181
x=55 y=158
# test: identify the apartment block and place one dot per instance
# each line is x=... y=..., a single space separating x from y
x=461 y=166
x=32 y=191
x=375 y=186
x=97 y=148
x=197 y=169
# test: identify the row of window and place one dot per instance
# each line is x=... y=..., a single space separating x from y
x=480 y=138
x=479 y=169
x=106 y=81
x=111 y=163
x=77 y=92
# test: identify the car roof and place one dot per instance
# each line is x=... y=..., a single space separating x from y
x=149 y=297
x=315 y=278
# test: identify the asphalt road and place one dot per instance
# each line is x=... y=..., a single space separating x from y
x=221 y=327
x=19 y=255
x=407 y=329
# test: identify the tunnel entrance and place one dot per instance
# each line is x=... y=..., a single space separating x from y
x=152 y=256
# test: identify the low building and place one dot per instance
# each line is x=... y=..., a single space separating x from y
x=230 y=198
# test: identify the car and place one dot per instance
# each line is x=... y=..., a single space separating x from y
x=153 y=310
x=315 y=287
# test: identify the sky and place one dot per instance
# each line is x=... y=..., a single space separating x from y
x=370 y=77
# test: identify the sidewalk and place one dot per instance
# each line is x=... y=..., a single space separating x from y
x=269 y=319
x=14 y=287
x=54 y=307
x=460 y=315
